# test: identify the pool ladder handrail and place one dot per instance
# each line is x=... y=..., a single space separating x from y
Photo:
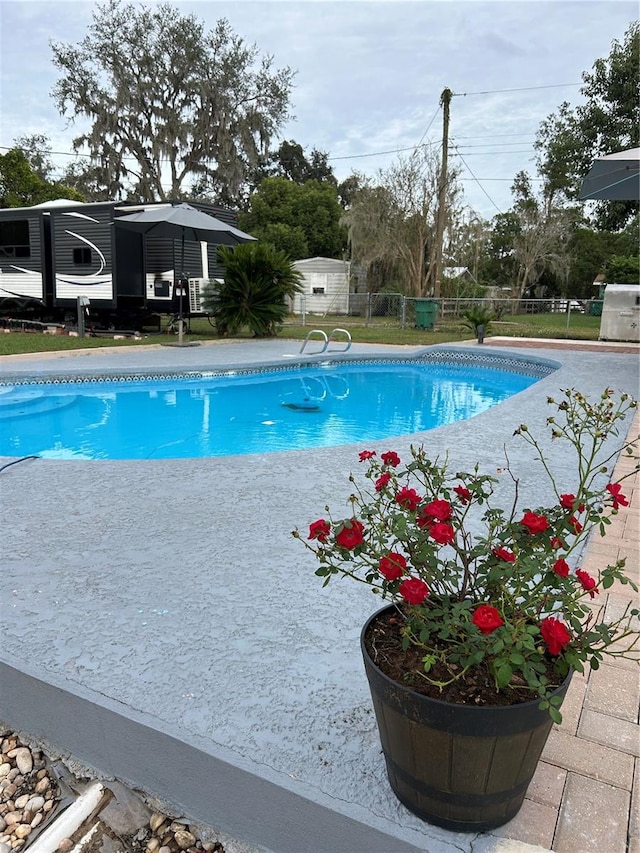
x=327 y=340
x=325 y=389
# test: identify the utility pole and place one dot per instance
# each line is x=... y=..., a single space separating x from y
x=436 y=265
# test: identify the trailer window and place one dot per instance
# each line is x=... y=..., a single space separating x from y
x=317 y=291
x=82 y=257
x=14 y=239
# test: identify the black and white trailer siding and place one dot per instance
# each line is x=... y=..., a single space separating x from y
x=22 y=254
x=56 y=252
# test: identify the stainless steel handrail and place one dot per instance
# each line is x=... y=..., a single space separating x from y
x=308 y=338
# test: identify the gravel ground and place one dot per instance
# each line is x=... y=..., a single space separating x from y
x=35 y=790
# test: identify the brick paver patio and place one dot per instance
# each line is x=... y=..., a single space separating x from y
x=585 y=796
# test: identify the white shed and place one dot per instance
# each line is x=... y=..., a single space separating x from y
x=325 y=286
x=621 y=313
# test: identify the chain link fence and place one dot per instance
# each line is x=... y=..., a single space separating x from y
x=397 y=310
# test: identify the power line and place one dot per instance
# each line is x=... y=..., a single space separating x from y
x=510 y=180
x=521 y=89
x=379 y=153
x=497 y=135
x=478 y=182
x=44 y=151
x=430 y=123
x=483 y=153
x=466 y=145
x=77 y=155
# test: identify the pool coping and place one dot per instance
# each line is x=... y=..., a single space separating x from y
x=441 y=354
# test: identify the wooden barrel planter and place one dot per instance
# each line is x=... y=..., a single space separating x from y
x=461 y=767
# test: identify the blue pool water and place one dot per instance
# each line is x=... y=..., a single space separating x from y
x=259 y=412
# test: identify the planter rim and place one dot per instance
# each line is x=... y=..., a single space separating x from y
x=476 y=710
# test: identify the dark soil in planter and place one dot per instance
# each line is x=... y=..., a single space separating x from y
x=383 y=642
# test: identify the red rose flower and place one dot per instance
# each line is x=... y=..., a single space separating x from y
x=567 y=501
x=382 y=481
x=463 y=493
x=556 y=543
x=408 y=498
x=588 y=583
x=555 y=635
x=351 y=535
x=440 y=510
x=486 y=618
x=561 y=568
x=366 y=454
x=505 y=554
x=391 y=458
x=442 y=533
x=618 y=498
x=392 y=566
x=575 y=524
x=319 y=530
x=413 y=590
x=534 y=523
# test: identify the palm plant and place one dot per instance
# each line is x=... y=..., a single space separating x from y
x=478 y=318
x=257 y=280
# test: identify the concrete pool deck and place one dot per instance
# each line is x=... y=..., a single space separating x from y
x=160 y=625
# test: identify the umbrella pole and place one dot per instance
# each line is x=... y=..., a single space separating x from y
x=180 y=320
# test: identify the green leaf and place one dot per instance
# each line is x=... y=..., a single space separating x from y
x=555 y=715
x=503 y=675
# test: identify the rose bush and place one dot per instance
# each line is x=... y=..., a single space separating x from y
x=480 y=586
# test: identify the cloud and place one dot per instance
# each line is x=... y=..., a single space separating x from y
x=369 y=74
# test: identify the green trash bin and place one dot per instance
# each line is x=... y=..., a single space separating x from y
x=595 y=308
x=426 y=313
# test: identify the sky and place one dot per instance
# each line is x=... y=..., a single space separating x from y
x=369 y=74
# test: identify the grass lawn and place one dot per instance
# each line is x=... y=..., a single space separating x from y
x=380 y=331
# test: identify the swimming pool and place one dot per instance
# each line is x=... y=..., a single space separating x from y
x=233 y=412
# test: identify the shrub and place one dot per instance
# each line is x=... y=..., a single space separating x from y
x=257 y=280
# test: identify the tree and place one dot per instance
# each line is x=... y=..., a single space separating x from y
x=624 y=269
x=309 y=210
x=37 y=149
x=370 y=222
x=609 y=120
x=588 y=250
x=257 y=281
x=468 y=237
x=87 y=179
x=168 y=102
x=290 y=239
x=540 y=241
x=394 y=220
x=348 y=188
x=22 y=186
x=594 y=252
x=290 y=162
x=498 y=267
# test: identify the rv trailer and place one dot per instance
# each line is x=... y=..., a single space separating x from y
x=52 y=254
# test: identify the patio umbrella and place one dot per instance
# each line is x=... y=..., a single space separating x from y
x=181 y=221
x=614 y=177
